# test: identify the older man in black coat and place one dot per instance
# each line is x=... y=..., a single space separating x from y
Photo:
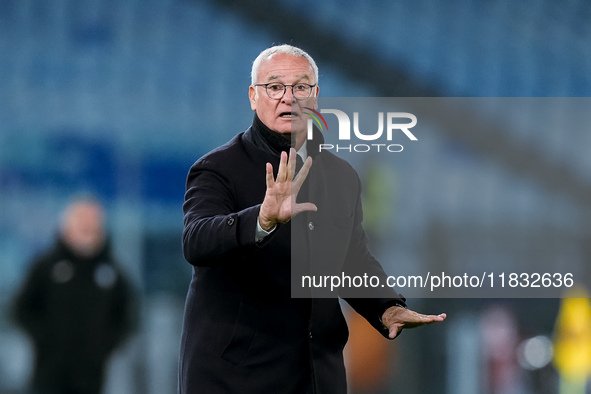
x=247 y=327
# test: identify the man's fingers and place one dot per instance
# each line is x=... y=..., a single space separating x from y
x=291 y=164
x=436 y=318
x=440 y=317
x=282 y=170
x=301 y=176
x=269 y=176
x=394 y=331
x=411 y=319
x=420 y=319
x=303 y=207
x=398 y=318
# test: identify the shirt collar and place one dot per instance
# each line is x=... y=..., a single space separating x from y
x=303 y=151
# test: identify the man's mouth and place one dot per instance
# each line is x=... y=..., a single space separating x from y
x=288 y=115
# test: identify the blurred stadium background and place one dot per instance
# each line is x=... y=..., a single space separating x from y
x=120 y=97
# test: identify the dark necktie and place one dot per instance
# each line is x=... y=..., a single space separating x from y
x=299 y=163
x=303 y=194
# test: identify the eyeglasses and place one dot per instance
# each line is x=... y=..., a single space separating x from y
x=276 y=90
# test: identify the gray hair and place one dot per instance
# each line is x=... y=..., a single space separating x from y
x=286 y=49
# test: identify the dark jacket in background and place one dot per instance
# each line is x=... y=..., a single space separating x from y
x=76 y=311
x=243 y=332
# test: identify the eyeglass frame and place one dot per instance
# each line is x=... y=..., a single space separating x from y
x=285 y=89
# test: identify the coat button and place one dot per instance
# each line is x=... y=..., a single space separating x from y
x=230 y=221
x=311 y=226
x=310 y=335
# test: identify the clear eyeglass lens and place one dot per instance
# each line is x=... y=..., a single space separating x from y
x=277 y=90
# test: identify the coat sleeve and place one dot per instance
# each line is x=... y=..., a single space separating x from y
x=369 y=302
x=213 y=228
x=124 y=312
x=29 y=308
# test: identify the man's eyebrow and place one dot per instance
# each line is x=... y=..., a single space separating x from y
x=302 y=76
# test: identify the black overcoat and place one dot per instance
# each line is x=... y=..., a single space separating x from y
x=76 y=311
x=243 y=331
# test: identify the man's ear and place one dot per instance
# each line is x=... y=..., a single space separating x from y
x=316 y=97
x=252 y=95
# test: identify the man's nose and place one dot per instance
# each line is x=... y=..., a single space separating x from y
x=288 y=95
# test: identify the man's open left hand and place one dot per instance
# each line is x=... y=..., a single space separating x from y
x=396 y=318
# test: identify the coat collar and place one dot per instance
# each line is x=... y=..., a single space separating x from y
x=274 y=143
x=64 y=250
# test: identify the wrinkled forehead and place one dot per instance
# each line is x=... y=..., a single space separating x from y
x=281 y=66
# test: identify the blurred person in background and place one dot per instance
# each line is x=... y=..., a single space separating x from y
x=75 y=305
x=243 y=330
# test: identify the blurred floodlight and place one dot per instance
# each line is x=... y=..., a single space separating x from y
x=535 y=353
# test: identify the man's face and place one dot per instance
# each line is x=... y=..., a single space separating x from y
x=83 y=229
x=283 y=115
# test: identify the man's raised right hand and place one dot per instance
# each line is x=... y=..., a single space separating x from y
x=279 y=205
